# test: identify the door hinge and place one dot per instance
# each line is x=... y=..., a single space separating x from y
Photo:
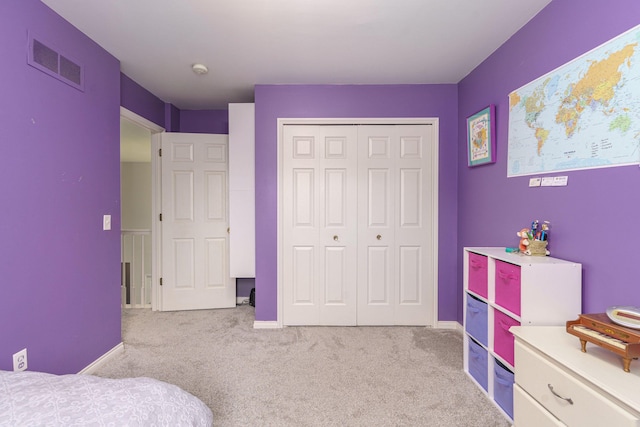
x=161 y=281
x=160 y=217
x=160 y=152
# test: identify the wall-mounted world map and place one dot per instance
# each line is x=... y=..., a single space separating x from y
x=584 y=114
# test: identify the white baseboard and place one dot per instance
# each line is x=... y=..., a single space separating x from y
x=263 y=324
x=99 y=361
x=260 y=324
x=452 y=324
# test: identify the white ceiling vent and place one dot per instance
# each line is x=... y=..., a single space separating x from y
x=53 y=63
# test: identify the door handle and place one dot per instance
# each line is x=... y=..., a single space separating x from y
x=335 y=237
x=379 y=237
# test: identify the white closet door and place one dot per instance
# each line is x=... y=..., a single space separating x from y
x=319 y=219
x=395 y=260
x=376 y=225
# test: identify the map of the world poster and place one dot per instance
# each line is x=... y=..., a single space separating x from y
x=585 y=114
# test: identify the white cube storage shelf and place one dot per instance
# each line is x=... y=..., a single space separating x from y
x=501 y=290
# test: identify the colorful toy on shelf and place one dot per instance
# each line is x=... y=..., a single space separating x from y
x=544 y=232
x=534 y=241
x=524 y=239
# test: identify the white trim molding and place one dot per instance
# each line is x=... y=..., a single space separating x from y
x=139 y=120
x=156 y=241
x=266 y=324
x=449 y=324
x=89 y=369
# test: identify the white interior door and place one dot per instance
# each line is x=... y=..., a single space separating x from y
x=319 y=192
x=195 y=243
x=395 y=228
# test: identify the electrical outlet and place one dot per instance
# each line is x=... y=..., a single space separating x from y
x=20 y=360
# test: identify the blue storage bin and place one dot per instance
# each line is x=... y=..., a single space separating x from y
x=476 y=321
x=478 y=363
x=503 y=387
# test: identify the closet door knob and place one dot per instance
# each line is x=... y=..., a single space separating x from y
x=379 y=237
x=335 y=238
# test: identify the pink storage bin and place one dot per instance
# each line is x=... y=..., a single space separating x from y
x=507 y=286
x=502 y=338
x=478 y=274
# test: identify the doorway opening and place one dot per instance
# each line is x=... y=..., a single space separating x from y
x=138 y=183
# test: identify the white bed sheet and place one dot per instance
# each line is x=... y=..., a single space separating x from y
x=39 y=399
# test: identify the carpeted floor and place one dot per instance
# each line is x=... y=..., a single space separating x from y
x=304 y=376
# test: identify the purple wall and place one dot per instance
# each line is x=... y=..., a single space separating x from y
x=60 y=290
x=135 y=98
x=244 y=286
x=204 y=121
x=273 y=102
x=171 y=118
x=595 y=217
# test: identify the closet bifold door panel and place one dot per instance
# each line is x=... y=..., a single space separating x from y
x=319 y=220
x=394 y=227
x=357 y=232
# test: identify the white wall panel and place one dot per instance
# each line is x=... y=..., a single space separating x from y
x=242 y=190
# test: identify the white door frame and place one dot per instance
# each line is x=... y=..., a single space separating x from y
x=156 y=175
x=434 y=121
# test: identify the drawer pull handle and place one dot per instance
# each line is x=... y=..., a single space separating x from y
x=505 y=276
x=568 y=399
x=505 y=326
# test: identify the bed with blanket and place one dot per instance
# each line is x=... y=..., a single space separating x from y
x=39 y=399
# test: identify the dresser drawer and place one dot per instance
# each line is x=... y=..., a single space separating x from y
x=530 y=413
x=538 y=377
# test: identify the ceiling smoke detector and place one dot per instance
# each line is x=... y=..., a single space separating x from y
x=199 y=69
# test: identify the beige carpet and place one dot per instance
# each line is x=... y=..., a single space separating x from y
x=304 y=376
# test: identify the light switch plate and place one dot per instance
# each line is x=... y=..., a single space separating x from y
x=106 y=222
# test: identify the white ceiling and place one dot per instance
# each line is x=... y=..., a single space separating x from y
x=249 y=42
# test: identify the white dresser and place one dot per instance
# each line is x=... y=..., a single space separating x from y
x=557 y=384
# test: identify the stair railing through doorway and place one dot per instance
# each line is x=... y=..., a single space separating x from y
x=135 y=268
